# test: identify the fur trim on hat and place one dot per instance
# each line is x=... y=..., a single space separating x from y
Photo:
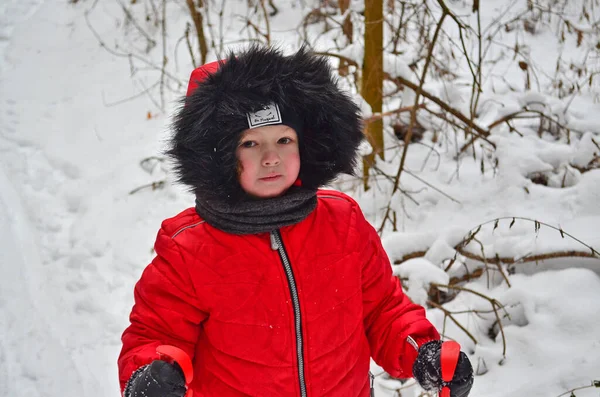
x=208 y=126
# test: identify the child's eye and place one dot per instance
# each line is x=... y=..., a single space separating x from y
x=248 y=144
x=284 y=140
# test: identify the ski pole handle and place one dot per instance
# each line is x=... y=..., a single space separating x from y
x=172 y=354
x=449 y=360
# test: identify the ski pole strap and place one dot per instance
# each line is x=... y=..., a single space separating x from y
x=449 y=359
x=172 y=354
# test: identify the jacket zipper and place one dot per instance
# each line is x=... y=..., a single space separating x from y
x=277 y=245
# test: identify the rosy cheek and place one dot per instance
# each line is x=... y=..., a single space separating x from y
x=296 y=158
x=244 y=169
x=244 y=160
x=293 y=165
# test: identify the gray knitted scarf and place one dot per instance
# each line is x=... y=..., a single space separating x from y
x=252 y=216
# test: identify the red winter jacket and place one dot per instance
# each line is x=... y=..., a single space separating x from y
x=256 y=328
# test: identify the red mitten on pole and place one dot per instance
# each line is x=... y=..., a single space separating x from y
x=442 y=367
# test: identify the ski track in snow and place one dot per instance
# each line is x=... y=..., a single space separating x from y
x=47 y=297
x=13 y=12
x=27 y=336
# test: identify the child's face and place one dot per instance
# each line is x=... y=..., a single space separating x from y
x=269 y=160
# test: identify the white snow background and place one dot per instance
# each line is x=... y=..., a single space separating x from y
x=73 y=240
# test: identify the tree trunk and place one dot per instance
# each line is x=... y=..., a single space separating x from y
x=198 y=24
x=372 y=80
x=347 y=29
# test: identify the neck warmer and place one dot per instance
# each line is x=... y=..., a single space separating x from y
x=251 y=215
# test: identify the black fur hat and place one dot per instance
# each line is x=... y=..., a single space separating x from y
x=208 y=126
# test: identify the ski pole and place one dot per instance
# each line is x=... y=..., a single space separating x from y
x=172 y=354
x=448 y=361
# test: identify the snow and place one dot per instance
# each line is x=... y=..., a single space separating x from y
x=74 y=240
x=549 y=334
x=586 y=151
x=420 y=274
x=26 y=342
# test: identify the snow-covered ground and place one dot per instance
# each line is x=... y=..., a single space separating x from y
x=74 y=240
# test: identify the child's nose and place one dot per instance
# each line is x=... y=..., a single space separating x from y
x=271 y=158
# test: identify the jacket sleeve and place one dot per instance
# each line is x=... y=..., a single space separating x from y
x=390 y=317
x=166 y=311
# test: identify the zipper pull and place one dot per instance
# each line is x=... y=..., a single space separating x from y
x=274 y=241
x=372 y=383
x=413 y=343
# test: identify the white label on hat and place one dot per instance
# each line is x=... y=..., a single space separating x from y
x=268 y=115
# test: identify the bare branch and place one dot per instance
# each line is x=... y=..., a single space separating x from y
x=495 y=305
x=480 y=132
x=379 y=116
x=449 y=314
x=268 y=24
x=130 y=17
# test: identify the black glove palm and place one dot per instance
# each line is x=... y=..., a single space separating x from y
x=158 y=379
x=427 y=370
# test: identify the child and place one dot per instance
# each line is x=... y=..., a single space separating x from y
x=269 y=287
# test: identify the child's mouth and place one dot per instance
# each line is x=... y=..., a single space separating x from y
x=270 y=178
